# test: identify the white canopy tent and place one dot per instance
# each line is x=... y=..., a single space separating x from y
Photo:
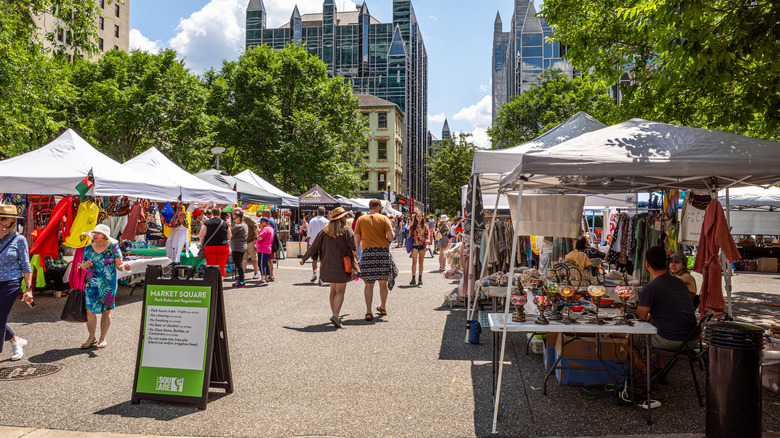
x=254 y=179
x=58 y=167
x=759 y=198
x=193 y=189
x=640 y=155
x=592 y=202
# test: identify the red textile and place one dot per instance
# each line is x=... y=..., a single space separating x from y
x=715 y=236
x=217 y=255
x=48 y=241
x=131 y=228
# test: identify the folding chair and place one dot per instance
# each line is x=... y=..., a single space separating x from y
x=691 y=355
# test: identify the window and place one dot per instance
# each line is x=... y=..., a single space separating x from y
x=68 y=35
x=102 y=4
x=101 y=23
x=100 y=44
x=364 y=150
x=382 y=120
x=381 y=181
x=364 y=181
x=116 y=47
x=381 y=150
x=116 y=30
x=116 y=10
x=60 y=34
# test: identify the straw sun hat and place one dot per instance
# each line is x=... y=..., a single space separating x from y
x=337 y=213
x=102 y=229
x=7 y=211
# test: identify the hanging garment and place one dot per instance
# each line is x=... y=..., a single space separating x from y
x=86 y=219
x=48 y=241
x=136 y=214
x=77 y=276
x=715 y=237
x=479 y=217
x=177 y=241
x=116 y=225
x=38 y=269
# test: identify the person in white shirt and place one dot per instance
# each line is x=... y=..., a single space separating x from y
x=316 y=224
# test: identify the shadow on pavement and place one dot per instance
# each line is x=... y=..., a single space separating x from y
x=453 y=340
x=164 y=411
x=58 y=355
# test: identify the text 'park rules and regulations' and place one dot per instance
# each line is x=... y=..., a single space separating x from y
x=177 y=321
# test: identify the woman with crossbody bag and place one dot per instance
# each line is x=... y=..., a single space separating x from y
x=333 y=244
x=215 y=234
x=14 y=265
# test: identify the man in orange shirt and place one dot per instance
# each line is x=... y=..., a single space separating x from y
x=375 y=232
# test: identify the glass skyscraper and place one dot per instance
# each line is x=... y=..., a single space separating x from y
x=387 y=60
x=522 y=54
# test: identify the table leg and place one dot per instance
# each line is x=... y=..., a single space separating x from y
x=631 y=366
x=647 y=365
x=603 y=364
x=553 y=366
x=496 y=338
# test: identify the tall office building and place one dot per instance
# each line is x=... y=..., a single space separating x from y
x=113 y=29
x=387 y=60
x=522 y=54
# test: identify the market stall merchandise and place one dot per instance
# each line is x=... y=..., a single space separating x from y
x=58 y=167
x=249 y=177
x=193 y=189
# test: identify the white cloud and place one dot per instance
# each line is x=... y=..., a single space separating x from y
x=433 y=17
x=485 y=88
x=479 y=114
x=478 y=136
x=436 y=118
x=214 y=33
x=139 y=42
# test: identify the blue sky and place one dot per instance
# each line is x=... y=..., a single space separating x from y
x=458 y=37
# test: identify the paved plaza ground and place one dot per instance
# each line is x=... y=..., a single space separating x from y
x=407 y=374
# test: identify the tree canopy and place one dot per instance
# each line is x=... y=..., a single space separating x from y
x=280 y=114
x=449 y=168
x=699 y=63
x=548 y=103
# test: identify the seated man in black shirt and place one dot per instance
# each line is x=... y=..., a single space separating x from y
x=666 y=303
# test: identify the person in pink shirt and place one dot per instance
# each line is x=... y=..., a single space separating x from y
x=265 y=238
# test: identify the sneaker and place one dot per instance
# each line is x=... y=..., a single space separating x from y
x=17 y=349
x=262 y=283
x=335 y=321
x=319 y=282
x=313 y=277
x=239 y=284
x=256 y=276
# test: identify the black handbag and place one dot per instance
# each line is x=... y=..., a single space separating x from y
x=75 y=309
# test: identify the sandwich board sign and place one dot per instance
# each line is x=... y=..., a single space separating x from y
x=182 y=347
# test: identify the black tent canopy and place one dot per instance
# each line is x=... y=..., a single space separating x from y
x=316 y=197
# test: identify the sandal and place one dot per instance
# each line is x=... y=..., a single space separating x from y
x=88 y=345
x=382 y=311
x=369 y=317
x=103 y=344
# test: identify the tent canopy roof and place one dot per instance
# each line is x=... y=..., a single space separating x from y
x=490 y=164
x=56 y=169
x=754 y=197
x=640 y=155
x=246 y=192
x=193 y=189
x=254 y=179
x=316 y=197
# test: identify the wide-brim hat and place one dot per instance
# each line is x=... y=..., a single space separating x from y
x=337 y=213
x=102 y=229
x=9 y=211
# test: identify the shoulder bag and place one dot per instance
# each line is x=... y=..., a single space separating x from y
x=350 y=264
x=202 y=250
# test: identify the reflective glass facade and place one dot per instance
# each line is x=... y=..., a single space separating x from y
x=522 y=54
x=387 y=60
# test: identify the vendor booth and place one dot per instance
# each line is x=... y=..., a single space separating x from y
x=193 y=189
x=249 y=177
x=246 y=192
x=316 y=197
x=640 y=155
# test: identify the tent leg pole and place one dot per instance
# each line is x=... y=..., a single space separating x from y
x=469 y=284
x=470 y=311
x=516 y=227
x=728 y=268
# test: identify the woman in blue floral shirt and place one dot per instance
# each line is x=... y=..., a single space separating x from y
x=14 y=265
x=101 y=260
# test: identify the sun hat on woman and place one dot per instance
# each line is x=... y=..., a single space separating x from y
x=102 y=229
x=338 y=213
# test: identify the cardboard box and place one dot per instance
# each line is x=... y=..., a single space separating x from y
x=549 y=350
x=767 y=264
x=581 y=354
x=751 y=265
x=296 y=249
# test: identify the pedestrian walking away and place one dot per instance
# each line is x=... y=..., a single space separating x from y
x=443 y=240
x=267 y=214
x=316 y=225
x=265 y=236
x=14 y=266
x=420 y=241
x=375 y=232
x=336 y=241
x=238 y=245
x=251 y=252
x=102 y=259
x=214 y=236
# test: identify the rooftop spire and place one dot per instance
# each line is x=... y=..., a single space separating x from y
x=296 y=13
x=255 y=5
x=499 y=25
x=397 y=46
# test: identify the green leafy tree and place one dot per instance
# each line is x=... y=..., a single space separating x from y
x=127 y=103
x=279 y=113
x=712 y=63
x=551 y=101
x=449 y=168
x=34 y=86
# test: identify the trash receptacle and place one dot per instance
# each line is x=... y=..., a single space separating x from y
x=734 y=379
